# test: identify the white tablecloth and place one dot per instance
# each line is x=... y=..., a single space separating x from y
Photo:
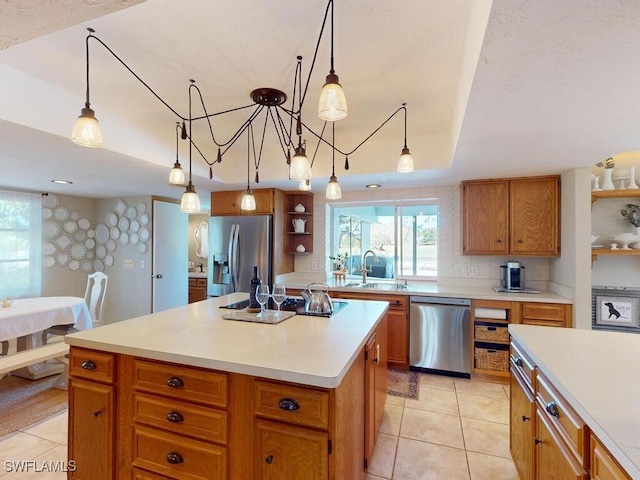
x=31 y=315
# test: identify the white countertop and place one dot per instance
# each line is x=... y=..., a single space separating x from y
x=434 y=289
x=315 y=351
x=197 y=274
x=598 y=373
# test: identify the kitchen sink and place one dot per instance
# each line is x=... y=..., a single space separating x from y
x=384 y=286
x=352 y=284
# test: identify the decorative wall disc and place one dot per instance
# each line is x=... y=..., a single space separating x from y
x=63 y=241
x=74 y=216
x=121 y=207
x=51 y=229
x=48 y=261
x=47 y=213
x=50 y=200
x=70 y=226
x=48 y=248
x=98 y=266
x=74 y=265
x=111 y=245
x=78 y=251
x=111 y=219
x=114 y=233
x=61 y=213
x=85 y=266
x=123 y=224
x=84 y=224
x=62 y=259
x=102 y=233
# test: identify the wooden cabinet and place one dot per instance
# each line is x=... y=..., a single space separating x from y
x=293 y=239
x=603 y=465
x=519 y=216
x=490 y=337
x=228 y=203
x=521 y=419
x=397 y=324
x=197 y=289
x=546 y=314
x=375 y=387
x=92 y=433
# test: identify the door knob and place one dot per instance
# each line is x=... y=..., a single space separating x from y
x=159 y=275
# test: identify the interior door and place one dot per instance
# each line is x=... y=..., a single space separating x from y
x=169 y=279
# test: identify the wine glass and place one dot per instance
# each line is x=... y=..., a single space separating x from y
x=279 y=294
x=262 y=295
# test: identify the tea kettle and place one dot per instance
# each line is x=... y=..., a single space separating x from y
x=298 y=224
x=317 y=300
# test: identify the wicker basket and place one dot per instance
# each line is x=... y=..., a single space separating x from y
x=492 y=359
x=492 y=333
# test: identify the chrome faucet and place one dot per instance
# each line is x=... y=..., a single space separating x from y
x=364 y=265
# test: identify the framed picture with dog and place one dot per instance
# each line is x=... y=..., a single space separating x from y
x=618 y=311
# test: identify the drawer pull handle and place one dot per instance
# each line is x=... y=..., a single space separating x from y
x=288 y=404
x=175 y=417
x=88 y=365
x=492 y=329
x=174 y=458
x=175 y=382
x=518 y=361
x=525 y=418
x=97 y=413
x=269 y=460
x=552 y=408
x=537 y=441
x=377 y=359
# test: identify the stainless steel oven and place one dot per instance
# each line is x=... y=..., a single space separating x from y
x=440 y=336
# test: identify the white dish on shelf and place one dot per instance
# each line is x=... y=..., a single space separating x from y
x=625 y=239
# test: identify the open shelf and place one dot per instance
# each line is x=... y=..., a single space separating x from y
x=614 y=194
x=602 y=251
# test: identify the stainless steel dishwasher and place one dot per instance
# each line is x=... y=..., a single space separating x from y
x=440 y=336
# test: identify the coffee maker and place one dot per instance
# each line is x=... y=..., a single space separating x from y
x=512 y=276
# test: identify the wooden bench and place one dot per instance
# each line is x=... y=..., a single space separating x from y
x=26 y=358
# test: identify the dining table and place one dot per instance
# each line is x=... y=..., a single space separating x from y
x=26 y=318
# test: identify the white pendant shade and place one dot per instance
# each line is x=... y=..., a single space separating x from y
x=86 y=130
x=176 y=176
x=333 y=189
x=305 y=185
x=300 y=168
x=333 y=103
x=190 y=201
x=405 y=162
x=248 y=201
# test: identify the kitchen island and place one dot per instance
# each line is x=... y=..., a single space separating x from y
x=576 y=394
x=187 y=394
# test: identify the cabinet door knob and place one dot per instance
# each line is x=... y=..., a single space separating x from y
x=520 y=241
x=269 y=459
x=537 y=441
x=88 y=365
x=175 y=382
x=377 y=359
x=97 y=413
x=525 y=418
x=174 y=457
x=499 y=240
x=518 y=361
x=175 y=417
x=288 y=404
x=552 y=408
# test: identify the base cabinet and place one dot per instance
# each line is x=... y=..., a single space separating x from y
x=521 y=411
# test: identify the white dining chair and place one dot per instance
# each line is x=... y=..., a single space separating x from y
x=94 y=297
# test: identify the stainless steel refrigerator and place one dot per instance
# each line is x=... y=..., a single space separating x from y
x=236 y=244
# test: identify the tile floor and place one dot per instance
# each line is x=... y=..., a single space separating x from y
x=457 y=429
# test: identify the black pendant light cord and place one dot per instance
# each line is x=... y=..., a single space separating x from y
x=190 y=135
x=333 y=150
x=332 y=71
x=404 y=107
x=91 y=30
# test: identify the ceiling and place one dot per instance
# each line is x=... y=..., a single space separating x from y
x=502 y=88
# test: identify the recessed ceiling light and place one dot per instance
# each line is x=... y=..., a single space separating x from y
x=62 y=182
x=374 y=185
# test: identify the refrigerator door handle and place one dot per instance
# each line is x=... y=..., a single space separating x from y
x=236 y=259
x=232 y=234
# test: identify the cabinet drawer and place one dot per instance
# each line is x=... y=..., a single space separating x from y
x=175 y=456
x=95 y=366
x=521 y=363
x=291 y=404
x=396 y=302
x=197 y=282
x=180 y=417
x=549 y=314
x=603 y=465
x=570 y=426
x=185 y=383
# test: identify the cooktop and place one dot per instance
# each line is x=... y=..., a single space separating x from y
x=290 y=304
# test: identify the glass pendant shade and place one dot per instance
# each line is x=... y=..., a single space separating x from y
x=248 y=200
x=176 y=176
x=300 y=168
x=86 y=131
x=333 y=103
x=333 y=189
x=190 y=201
x=405 y=162
x=305 y=185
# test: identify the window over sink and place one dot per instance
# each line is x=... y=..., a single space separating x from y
x=403 y=236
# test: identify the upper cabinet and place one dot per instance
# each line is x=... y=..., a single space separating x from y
x=228 y=203
x=518 y=216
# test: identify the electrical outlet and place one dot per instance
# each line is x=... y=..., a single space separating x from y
x=314 y=265
x=473 y=270
x=460 y=270
x=128 y=263
x=141 y=263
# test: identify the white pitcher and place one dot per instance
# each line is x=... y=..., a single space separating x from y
x=298 y=225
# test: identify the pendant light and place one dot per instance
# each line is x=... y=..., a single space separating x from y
x=333 y=103
x=190 y=202
x=176 y=176
x=305 y=185
x=300 y=168
x=333 y=187
x=248 y=200
x=405 y=162
x=86 y=130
